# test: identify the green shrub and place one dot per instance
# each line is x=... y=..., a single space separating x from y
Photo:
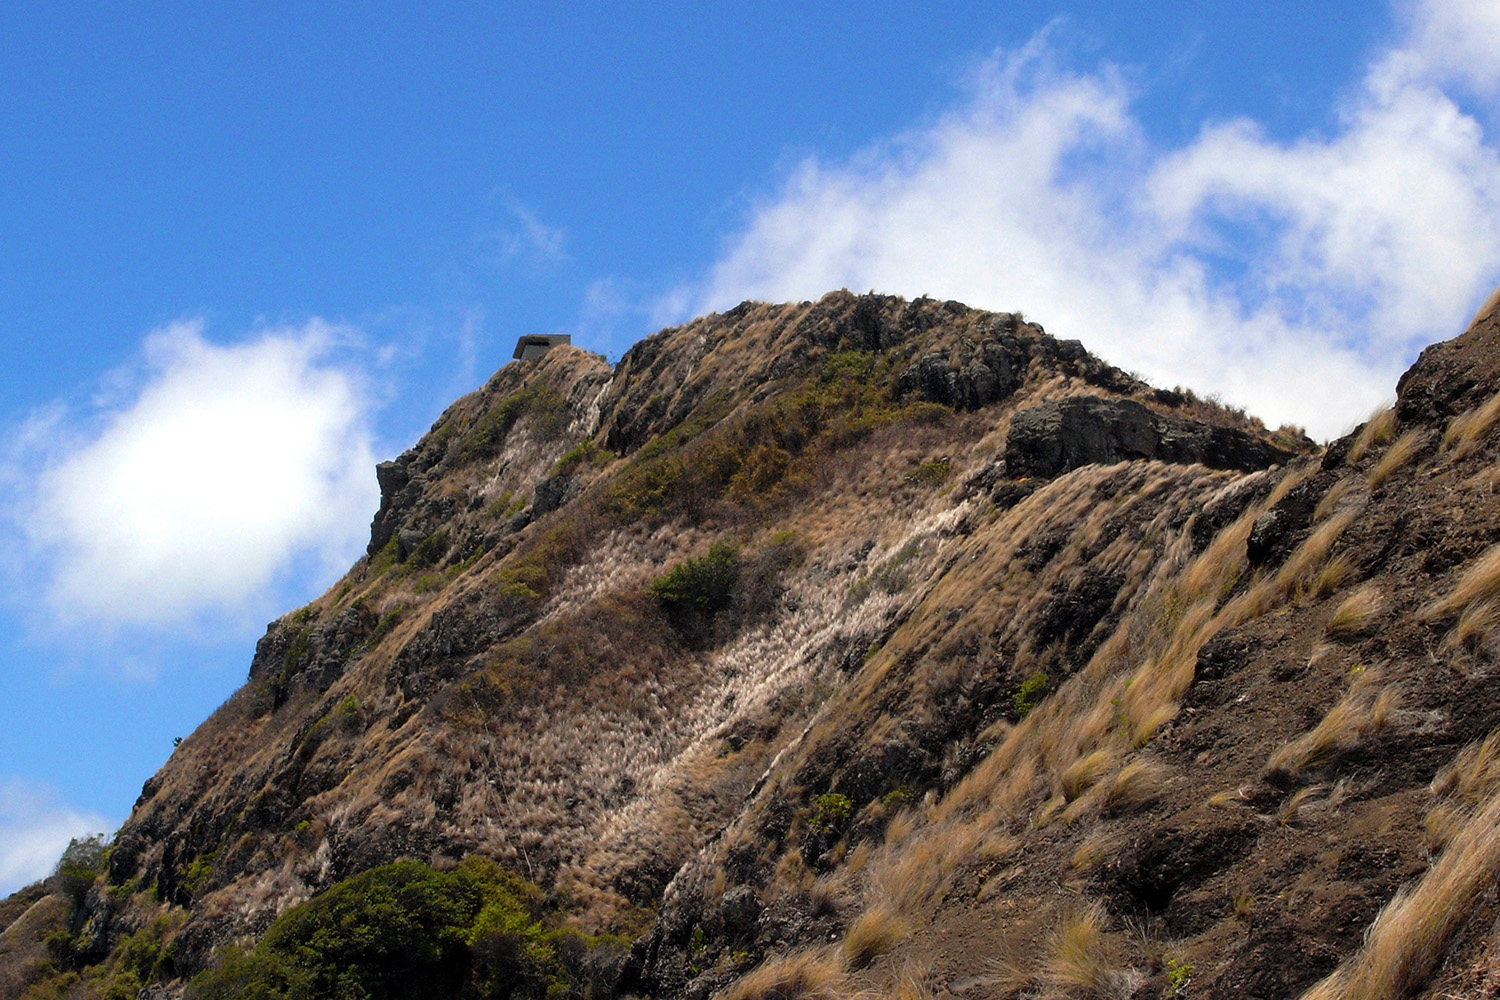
x=401 y=930
x=1179 y=974
x=1031 y=691
x=583 y=453
x=548 y=410
x=84 y=860
x=930 y=473
x=385 y=625
x=704 y=584
x=387 y=557
x=831 y=811
x=430 y=550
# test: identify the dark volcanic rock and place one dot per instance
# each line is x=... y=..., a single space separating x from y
x=1059 y=435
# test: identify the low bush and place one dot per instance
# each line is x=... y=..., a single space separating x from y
x=84 y=860
x=704 y=584
x=407 y=930
x=1031 y=691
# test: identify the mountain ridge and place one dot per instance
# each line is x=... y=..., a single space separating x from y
x=896 y=623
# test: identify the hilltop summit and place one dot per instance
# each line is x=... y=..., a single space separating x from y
x=853 y=646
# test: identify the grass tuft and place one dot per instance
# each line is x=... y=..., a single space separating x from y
x=1366 y=708
x=1357 y=611
x=808 y=975
x=873 y=933
x=1397 y=455
x=1467 y=431
x=1379 y=429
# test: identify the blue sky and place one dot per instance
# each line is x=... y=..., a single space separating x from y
x=248 y=250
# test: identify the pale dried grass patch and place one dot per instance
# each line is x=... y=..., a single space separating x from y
x=1398 y=454
x=1410 y=938
x=1100 y=844
x=1079 y=961
x=1299 y=575
x=872 y=934
x=1379 y=429
x=1479 y=583
x=1365 y=708
x=1084 y=773
x=1466 y=432
x=1355 y=613
x=1477 y=622
x=1332 y=576
x=807 y=975
x=1331 y=500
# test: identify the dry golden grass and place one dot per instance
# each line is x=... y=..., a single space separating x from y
x=1083 y=773
x=1078 y=962
x=1355 y=613
x=1379 y=429
x=1466 y=432
x=1135 y=785
x=1332 y=576
x=1365 y=708
x=1097 y=846
x=807 y=975
x=1398 y=454
x=873 y=933
x=1292 y=808
x=1477 y=622
x=912 y=983
x=1299 y=575
x=1333 y=498
x=1480 y=582
x=1410 y=937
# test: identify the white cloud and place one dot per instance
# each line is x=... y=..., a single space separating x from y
x=35 y=827
x=203 y=482
x=1455 y=40
x=1296 y=278
x=525 y=237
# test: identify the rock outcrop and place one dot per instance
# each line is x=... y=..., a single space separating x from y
x=1059 y=435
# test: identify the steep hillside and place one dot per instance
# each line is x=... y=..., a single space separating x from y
x=852 y=646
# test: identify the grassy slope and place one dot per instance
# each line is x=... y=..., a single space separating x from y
x=914 y=687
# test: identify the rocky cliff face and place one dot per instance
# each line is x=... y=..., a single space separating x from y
x=871 y=646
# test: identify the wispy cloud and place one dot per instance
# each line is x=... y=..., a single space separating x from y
x=523 y=237
x=192 y=484
x=35 y=827
x=1297 y=278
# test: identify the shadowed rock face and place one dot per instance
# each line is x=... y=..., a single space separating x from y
x=1058 y=435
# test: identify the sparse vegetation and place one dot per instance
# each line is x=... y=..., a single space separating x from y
x=585 y=452
x=1397 y=455
x=770 y=594
x=1466 y=432
x=873 y=933
x=1356 y=611
x=1366 y=708
x=1378 y=430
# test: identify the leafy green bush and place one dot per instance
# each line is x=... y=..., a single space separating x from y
x=1031 y=691
x=831 y=811
x=385 y=625
x=430 y=550
x=403 y=930
x=84 y=860
x=585 y=452
x=704 y=584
